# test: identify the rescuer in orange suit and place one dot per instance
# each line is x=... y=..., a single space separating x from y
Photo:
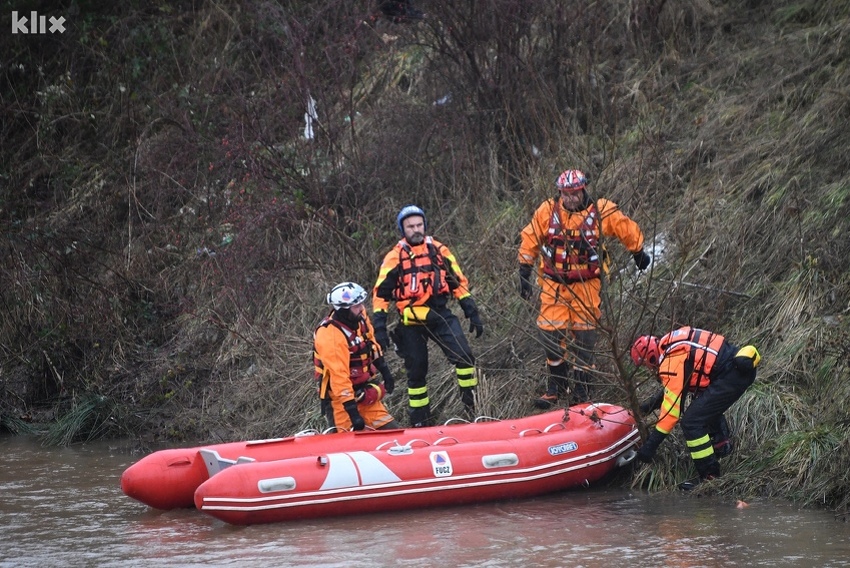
x=347 y=360
x=701 y=363
x=566 y=234
x=420 y=274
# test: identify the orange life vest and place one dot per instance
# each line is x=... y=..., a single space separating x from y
x=572 y=255
x=422 y=276
x=361 y=350
x=702 y=348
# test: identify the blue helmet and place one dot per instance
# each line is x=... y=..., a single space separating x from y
x=409 y=211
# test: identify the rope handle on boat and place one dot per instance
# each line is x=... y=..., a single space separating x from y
x=409 y=444
x=308 y=432
x=456 y=420
x=476 y=421
x=445 y=439
x=544 y=431
x=527 y=430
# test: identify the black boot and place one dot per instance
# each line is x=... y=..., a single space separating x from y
x=721 y=437
x=584 y=342
x=467 y=397
x=708 y=467
x=581 y=387
x=420 y=417
x=556 y=386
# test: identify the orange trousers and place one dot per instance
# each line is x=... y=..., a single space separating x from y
x=569 y=306
x=374 y=415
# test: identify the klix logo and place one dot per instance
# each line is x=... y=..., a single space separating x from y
x=35 y=24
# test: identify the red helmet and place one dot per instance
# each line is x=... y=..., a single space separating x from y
x=645 y=351
x=571 y=180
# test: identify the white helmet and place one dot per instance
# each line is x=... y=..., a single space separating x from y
x=346 y=294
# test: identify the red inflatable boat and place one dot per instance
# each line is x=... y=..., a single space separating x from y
x=167 y=479
x=515 y=459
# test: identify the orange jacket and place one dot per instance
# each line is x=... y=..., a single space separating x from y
x=688 y=356
x=612 y=222
x=334 y=352
x=414 y=275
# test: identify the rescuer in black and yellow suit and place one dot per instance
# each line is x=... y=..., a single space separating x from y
x=701 y=363
x=420 y=275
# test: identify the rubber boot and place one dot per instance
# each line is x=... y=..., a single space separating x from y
x=708 y=467
x=328 y=412
x=420 y=417
x=467 y=397
x=721 y=437
x=557 y=385
x=581 y=387
x=583 y=345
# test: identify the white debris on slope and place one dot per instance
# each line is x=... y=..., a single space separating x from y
x=310 y=116
x=656 y=248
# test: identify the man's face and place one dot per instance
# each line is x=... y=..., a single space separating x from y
x=357 y=310
x=571 y=198
x=414 y=229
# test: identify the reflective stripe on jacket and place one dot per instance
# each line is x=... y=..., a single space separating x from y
x=688 y=357
x=425 y=274
x=572 y=254
x=343 y=357
x=604 y=214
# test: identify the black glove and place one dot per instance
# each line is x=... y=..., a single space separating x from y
x=642 y=260
x=525 y=290
x=379 y=323
x=470 y=310
x=357 y=422
x=389 y=380
x=648 y=449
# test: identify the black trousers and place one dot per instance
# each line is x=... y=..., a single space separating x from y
x=443 y=328
x=706 y=410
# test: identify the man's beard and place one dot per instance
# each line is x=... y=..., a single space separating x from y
x=416 y=238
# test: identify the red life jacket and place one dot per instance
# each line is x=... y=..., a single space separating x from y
x=702 y=348
x=361 y=350
x=572 y=255
x=422 y=276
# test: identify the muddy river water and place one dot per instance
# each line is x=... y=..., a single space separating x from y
x=64 y=507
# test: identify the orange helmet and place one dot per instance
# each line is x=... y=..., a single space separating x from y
x=571 y=180
x=645 y=351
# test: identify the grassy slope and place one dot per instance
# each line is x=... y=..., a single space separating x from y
x=165 y=134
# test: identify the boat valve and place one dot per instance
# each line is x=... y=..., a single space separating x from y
x=322 y=461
